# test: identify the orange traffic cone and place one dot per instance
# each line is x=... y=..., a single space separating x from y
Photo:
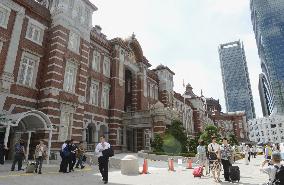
x=189 y=163
x=145 y=167
x=171 y=165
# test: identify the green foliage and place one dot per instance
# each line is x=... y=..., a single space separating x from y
x=210 y=131
x=233 y=140
x=171 y=144
x=177 y=130
x=157 y=144
x=193 y=143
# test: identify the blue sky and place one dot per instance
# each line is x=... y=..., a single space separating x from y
x=185 y=35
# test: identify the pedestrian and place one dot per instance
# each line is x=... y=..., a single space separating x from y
x=72 y=160
x=40 y=155
x=268 y=152
x=201 y=155
x=3 y=150
x=19 y=155
x=274 y=171
x=246 y=152
x=226 y=154
x=254 y=151
x=103 y=160
x=277 y=147
x=249 y=152
x=214 y=159
x=80 y=155
x=65 y=155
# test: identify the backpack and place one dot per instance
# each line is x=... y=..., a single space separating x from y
x=279 y=176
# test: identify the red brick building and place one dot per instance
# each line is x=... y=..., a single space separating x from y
x=61 y=78
x=228 y=123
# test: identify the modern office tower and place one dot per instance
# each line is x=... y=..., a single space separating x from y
x=236 y=83
x=265 y=96
x=268 y=24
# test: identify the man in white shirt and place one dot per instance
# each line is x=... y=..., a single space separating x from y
x=272 y=169
x=103 y=160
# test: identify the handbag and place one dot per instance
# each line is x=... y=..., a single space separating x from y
x=212 y=155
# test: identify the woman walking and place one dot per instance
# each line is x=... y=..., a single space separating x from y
x=201 y=155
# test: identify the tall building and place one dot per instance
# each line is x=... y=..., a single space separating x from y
x=268 y=24
x=265 y=96
x=236 y=83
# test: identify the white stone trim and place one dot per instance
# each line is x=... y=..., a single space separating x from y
x=58 y=43
x=54 y=72
x=41 y=27
x=56 y=57
x=60 y=31
x=5 y=24
x=58 y=81
x=59 y=37
x=49 y=108
x=35 y=68
x=55 y=64
x=57 y=50
x=1 y=45
x=15 y=37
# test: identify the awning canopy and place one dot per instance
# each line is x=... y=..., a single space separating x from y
x=28 y=121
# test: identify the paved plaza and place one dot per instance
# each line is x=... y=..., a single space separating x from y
x=159 y=175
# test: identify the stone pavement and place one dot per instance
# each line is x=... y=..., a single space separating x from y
x=159 y=175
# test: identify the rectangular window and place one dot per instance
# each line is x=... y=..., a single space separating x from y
x=105 y=97
x=28 y=69
x=96 y=61
x=34 y=33
x=4 y=16
x=106 y=67
x=74 y=41
x=94 y=93
x=65 y=129
x=70 y=77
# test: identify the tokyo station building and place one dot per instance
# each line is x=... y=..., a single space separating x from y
x=61 y=78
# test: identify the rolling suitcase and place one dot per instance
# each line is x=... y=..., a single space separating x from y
x=197 y=171
x=31 y=166
x=234 y=172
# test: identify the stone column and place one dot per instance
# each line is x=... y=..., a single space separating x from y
x=96 y=136
x=28 y=145
x=124 y=148
x=7 y=133
x=49 y=145
x=7 y=77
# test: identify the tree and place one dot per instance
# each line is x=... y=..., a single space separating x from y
x=157 y=144
x=233 y=140
x=210 y=131
x=193 y=143
x=177 y=130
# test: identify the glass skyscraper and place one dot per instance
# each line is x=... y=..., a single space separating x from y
x=235 y=77
x=268 y=24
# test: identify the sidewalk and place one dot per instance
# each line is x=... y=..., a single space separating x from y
x=159 y=175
